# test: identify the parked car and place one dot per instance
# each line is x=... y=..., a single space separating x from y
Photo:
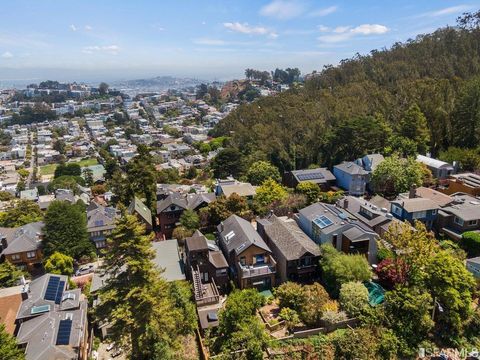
x=85 y=269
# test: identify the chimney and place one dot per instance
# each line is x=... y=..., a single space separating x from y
x=345 y=203
x=413 y=191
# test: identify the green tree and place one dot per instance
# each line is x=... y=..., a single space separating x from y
x=9 y=274
x=136 y=301
x=228 y=162
x=142 y=178
x=190 y=220
x=181 y=294
x=310 y=190
x=413 y=125
x=471 y=243
x=468 y=159
x=452 y=286
x=88 y=176
x=466 y=115
x=68 y=182
x=395 y=175
x=353 y=298
x=23 y=212
x=221 y=208
x=58 y=263
x=290 y=295
x=261 y=171
x=181 y=233
x=9 y=349
x=20 y=186
x=70 y=169
x=269 y=192
x=408 y=313
x=6 y=196
x=311 y=310
x=65 y=230
x=339 y=268
x=23 y=173
x=103 y=88
x=355 y=344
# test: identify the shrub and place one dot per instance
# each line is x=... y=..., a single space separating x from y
x=334 y=317
x=471 y=243
x=353 y=298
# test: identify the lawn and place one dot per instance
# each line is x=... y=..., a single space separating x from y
x=87 y=162
x=48 y=169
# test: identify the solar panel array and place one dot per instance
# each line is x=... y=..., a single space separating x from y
x=323 y=222
x=64 y=330
x=54 y=289
x=310 y=176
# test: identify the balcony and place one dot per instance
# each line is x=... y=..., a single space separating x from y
x=247 y=271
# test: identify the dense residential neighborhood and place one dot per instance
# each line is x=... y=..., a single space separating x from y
x=279 y=216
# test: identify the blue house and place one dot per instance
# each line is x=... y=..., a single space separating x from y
x=351 y=177
x=424 y=210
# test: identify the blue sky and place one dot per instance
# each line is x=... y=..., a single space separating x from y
x=124 y=39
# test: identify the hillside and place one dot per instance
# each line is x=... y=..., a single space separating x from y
x=421 y=95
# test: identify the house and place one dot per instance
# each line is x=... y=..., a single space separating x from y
x=167 y=258
x=171 y=207
x=296 y=254
x=462 y=215
x=473 y=265
x=206 y=259
x=467 y=183
x=208 y=271
x=250 y=259
x=100 y=223
x=320 y=176
x=22 y=246
x=326 y=223
x=423 y=192
x=366 y=212
x=415 y=209
x=229 y=186
x=440 y=169
x=143 y=213
x=351 y=177
x=10 y=301
x=29 y=194
x=52 y=320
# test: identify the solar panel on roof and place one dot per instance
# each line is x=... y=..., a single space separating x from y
x=58 y=296
x=322 y=222
x=64 y=330
x=310 y=176
x=52 y=287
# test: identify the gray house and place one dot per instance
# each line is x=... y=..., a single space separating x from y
x=352 y=177
x=100 y=223
x=325 y=223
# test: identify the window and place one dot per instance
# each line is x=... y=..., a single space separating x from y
x=397 y=210
x=419 y=215
x=434 y=212
x=259 y=259
x=458 y=221
x=242 y=260
x=15 y=257
x=31 y=254
x=472 y=222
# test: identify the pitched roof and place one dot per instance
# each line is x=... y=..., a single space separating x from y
x=101 y=218
x=140 y=208
x=292 y=242
x=10 y=301
x=242 y=189
x=440 y=198
x=416 y=204
x=351 y=168
x=217 y=259
x=238 y=234
x=317 y=176
x=465 y=207
x=23 y=238
x=196 y=242
x=434 y=163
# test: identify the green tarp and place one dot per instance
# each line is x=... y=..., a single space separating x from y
x=376 y=294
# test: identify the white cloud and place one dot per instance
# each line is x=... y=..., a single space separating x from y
x=7 y=55
x=323 y=28
x=245 y=28
x=73 y=27
x=370 y=29
x=450 y=10
x=110 y=49
x=343 y=33
x=323 y=12
x=88 y=28
x=283 y=9
x=207 y=41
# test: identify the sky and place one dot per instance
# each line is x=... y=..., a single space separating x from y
x=89 y=40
